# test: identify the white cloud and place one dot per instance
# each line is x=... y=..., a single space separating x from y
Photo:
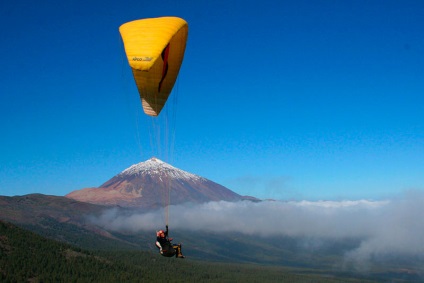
x=384 y=227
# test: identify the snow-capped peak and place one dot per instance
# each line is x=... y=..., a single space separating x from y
x=157 y=166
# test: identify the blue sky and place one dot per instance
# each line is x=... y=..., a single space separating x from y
x=276 y=99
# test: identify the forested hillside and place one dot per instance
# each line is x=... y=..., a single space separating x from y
x=26 y=256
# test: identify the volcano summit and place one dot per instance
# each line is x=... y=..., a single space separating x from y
x=154 y=183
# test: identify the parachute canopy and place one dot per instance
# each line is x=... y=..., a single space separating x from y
x=155 y=50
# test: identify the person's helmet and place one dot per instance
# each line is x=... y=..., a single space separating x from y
x=160 y=233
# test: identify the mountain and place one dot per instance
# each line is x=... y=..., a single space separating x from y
x=59 y=218
x=27 y=208
x=154 y=183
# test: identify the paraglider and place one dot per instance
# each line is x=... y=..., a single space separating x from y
x=155 y=50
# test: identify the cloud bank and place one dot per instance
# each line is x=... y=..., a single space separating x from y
x=389 y=227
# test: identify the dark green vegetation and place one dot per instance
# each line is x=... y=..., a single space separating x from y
x=26 y=256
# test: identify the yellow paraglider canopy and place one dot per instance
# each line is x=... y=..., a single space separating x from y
x=155 y=50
